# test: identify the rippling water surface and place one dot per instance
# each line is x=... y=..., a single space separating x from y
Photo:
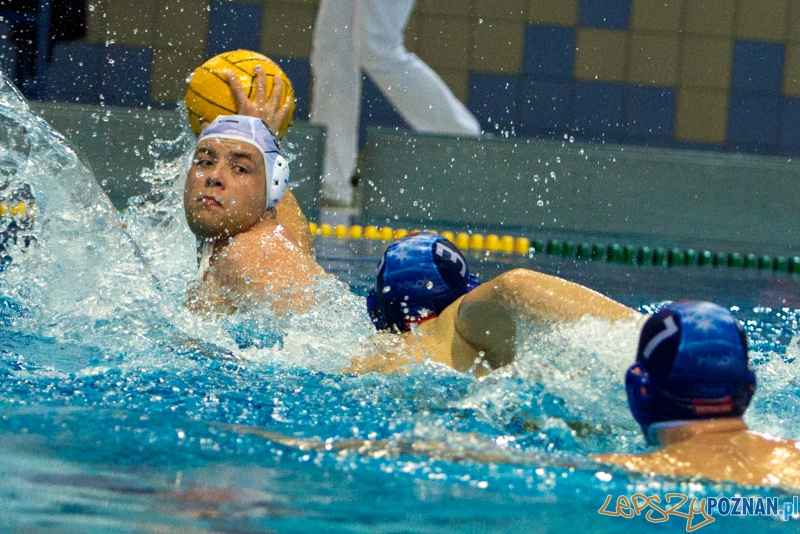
x=124 y=412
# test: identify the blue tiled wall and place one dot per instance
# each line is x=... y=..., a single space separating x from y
x=9 y=54
x=607 y=14
x=95 y=74
x=544 y=108
x=789 y=132
x=612 y=89
x=493 y=99
x=299 y=72
x=757 y=67
x=598 y=110
x=549 y=52
x=753 y=123
x=649 y=116
x=75 y=73
x=234 y=25
x=126 y=76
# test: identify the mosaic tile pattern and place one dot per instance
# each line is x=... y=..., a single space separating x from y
x=709 y=74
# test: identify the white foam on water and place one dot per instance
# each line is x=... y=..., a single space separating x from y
x=119 y=282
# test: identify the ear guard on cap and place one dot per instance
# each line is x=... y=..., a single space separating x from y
x=751 y=389
x=372 y=310
x=278 y=181
x=415 y=314
x=640 y=394
x=472 y=282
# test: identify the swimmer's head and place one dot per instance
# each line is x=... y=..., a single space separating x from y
x=417 y=278
x=253 y=131
x=691 y=364
x=236 y=174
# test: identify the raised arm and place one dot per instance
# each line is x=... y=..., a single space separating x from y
x=291 y=216
x=487 y=316
x=272 y=111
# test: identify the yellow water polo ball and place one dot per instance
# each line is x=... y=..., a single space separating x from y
x=209 y=94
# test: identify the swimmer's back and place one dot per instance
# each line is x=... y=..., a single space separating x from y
x=743 y=457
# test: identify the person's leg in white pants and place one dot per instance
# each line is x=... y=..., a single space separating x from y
x=415 y=90
x=336 y=94
x=369 y=33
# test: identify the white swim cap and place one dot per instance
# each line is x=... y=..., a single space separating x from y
x=253 y=131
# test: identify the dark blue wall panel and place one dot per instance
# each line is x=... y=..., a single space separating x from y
x=598 y=110
x=789 y=132
x=549 y=52
x=234 y=25
x=753 y=123
x=75 y=73
x=757 y=67
x=649 y=114
x=493 y=100
x=97 y=74
x=544 y=108
x=126 y=76
x=608 y=14
x=299 y=73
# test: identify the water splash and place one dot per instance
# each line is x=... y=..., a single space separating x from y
x=81 y=267
x=118 y=283
x=102 y=365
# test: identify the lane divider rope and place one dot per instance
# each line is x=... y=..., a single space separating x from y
x=614 y=253
x=16 y=210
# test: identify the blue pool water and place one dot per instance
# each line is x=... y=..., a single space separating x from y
x=120 y=411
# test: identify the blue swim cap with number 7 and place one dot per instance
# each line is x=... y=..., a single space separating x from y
x=691 y=364
x=417 y=278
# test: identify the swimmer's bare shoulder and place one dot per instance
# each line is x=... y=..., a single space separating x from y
x=435 y=339
x=291 y=216
x=265 y=263
x=759 y=459
x=478 y=330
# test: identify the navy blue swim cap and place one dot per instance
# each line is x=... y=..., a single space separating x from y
x=417 y=278
x=691 y=364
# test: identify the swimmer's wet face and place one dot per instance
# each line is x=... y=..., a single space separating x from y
x=225 y=192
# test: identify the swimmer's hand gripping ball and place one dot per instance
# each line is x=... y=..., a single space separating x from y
x=209 y=94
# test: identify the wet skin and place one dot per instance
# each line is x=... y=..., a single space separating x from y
x=225 y=191
x=255 y=258
x=720 y=449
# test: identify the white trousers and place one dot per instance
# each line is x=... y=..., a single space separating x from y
x=353 y=34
